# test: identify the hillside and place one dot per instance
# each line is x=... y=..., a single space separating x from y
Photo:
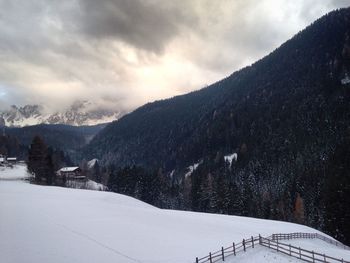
x=286 y=117
x=53 y=224
x=58 y=136
x=301 y=86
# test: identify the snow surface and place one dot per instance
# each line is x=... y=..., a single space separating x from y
x=345 y=80
x=229 y=158
x=80 y=113
x=89 y=185
x=260 y=254
x=171 y=175
x=92 y=163
x=17 y=172
x=191 y=169
x=320 y=246
x=54 y=224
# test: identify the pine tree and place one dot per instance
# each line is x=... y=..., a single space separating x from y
x=50 y=172
x=40 y=162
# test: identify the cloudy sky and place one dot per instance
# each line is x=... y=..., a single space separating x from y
x=123 y=53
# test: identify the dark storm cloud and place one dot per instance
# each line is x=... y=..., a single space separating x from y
x=145 y=24
x=122 y=53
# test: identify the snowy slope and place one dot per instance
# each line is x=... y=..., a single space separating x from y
x=52 y=224
x=262 y=254
x=320 y=246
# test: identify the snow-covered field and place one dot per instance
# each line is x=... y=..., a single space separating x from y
x=261 y=255
x=53 y=224
x=18 y=172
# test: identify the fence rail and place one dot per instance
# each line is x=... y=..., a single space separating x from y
x=298 y=252
x=235 y=248
x=308 y=235
x=272 y=242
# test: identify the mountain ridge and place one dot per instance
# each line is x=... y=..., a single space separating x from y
x=78 y=114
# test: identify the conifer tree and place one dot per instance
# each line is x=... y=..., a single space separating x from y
x=40 y=162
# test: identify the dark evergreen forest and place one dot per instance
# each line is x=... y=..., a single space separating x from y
x=16 y=141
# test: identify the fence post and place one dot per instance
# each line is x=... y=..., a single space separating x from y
x=222 y=254
x=324 y=257
x=259 y=239
x=299 y=253
x=313 y=256
x=234 y=248
x=210 y=257
x=277 y=244
x=252 y=241
x=243 y=244
x=269 y=242
x=290 y=250
x=196 y=259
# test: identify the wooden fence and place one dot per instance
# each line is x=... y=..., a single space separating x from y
x=272 y=242
x=298 y=252
x=308 y=235
x=221 y=254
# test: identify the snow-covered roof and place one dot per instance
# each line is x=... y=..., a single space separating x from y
x=2 y=159
x=68 y=169
x=11 y=159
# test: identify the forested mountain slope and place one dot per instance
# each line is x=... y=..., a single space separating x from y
x=287 y=117
x=258 y=105
x=67 y=138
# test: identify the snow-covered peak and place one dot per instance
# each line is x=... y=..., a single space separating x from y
x=79 y=113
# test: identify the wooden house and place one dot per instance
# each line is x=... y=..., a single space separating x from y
x=11 y=160
x=70 y=173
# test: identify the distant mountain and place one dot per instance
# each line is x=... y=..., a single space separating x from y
x=262 y=142
x=69 y=139
x=80 y=113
